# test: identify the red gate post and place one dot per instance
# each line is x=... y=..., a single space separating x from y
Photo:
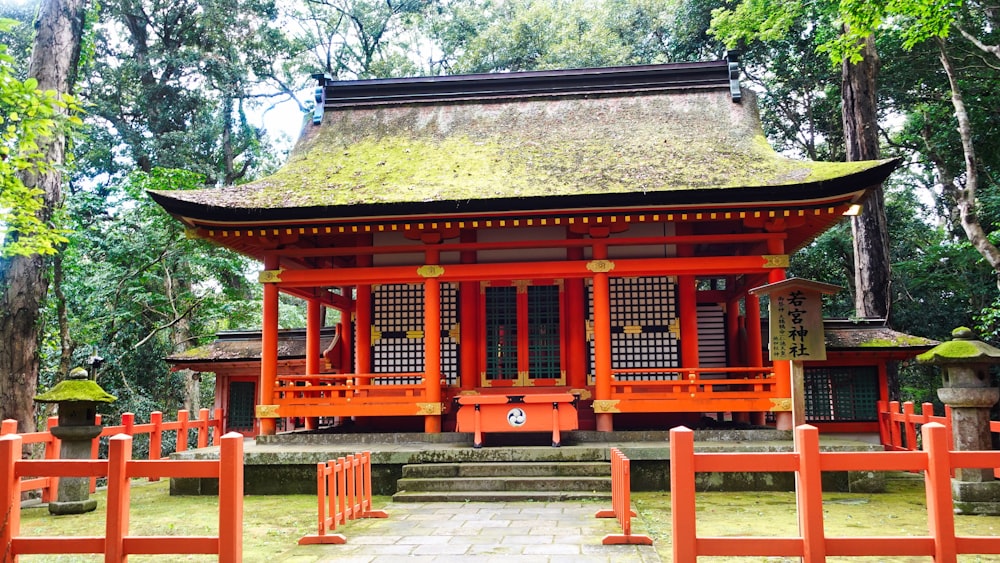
x=937 y=485
x=231 y=499
x=621 y=503
x=809 y=494
x=10 y=491
x=682 y=508
x=119 y=496
x=52 y=450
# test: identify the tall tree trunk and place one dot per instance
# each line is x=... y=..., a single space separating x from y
x=871 y=241
x=23 y=280
x=965 y=196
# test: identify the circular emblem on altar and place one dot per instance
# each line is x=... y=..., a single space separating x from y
x=516 y=417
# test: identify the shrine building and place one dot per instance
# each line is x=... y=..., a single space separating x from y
x=585 y=239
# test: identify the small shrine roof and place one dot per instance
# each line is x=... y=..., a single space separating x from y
x=871 y=334
x=677 y=136
x=243 y=345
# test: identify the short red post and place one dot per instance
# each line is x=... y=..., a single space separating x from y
x=128 y=423
x=682 y=508
x=937 y=486
x=52 y=450
x=10 y=490
x=95 y=452
x=556 y=439
x=477 y=437
x=217 y=424
x=119 y=494
x=9 y=426
x=182 y=431
x=231 y=499
x=894 y=439
x=621 y=503
x=203 y=428
x=909 y=426
x=156 y=435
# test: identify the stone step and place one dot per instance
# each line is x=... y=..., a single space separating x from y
x=515 y=469
x=502 y=496
x=548 y=483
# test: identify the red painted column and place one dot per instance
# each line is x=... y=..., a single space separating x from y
x=269 y=348
x=432 y=345
x=577 y=363
x=363 y=321
x=782 y=368
x=346 y=334
x=687 y=309
x=602 y=338
x=468 y=321
x=314 y=316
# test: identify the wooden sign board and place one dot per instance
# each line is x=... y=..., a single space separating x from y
x=796 y=318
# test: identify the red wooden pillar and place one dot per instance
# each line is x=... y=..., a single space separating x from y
x=363 y=321
x=269 y=351
x=314 y=318
x=602 y=338
x=782 y=368
x=346 y=333
x=576 y=321
x=468 y=321
x=432 y=346
x=687 y=309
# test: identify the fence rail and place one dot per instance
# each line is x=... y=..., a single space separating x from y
x=621 y=503
x=120 y=469
x=344 y=490
x=208 y=425
x=808 y=463
x=899 y=424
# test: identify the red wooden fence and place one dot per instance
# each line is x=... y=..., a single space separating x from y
x=899 y=424
x=344 y=489
x=209 y=429
x=808 y=463
x=120 y=469
x=621 y=503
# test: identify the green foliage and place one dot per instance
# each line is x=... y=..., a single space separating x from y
x=29 y=119
x=132 y=279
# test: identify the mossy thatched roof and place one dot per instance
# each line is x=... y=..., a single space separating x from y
x=669 y=147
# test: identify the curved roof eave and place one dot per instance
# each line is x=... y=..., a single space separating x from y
x=849 y=187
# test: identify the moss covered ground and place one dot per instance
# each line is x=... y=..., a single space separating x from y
x=273 y=524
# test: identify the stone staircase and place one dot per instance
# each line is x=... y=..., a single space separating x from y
x=498 y=481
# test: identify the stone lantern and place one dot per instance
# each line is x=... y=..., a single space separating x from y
x=968 y=391
x=77 y=398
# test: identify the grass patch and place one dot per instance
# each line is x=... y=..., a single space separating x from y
x=272 y=525
x=899 y=512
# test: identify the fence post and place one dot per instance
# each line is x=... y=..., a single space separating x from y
x=937 y=485
x=52 y=448
x=156 y=435
x=909 y=426
x=203 y=428
x=894 y=438
x=119 y=493
x=217 y=424
x=809 y=494
x=682 y=509
x=231 y=499
x=9 y=426
x=182 y=431
x=128 y=423
x=10 y=490
x=95 y=452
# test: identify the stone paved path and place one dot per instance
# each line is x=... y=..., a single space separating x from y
x=481 y=532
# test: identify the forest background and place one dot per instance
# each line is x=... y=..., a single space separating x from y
x=171 y=94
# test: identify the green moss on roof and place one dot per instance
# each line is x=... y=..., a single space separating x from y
x=898 y=340
x=527 y=148
x=964 y=348
x=76 y=390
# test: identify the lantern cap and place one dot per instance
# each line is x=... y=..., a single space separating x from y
x=963 y=348
x=77 y=387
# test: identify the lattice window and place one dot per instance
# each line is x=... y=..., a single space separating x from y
x=712 y=335
x=398 y=320
x=842 y=394
x=501 y=333
x=544 y=338
x=643 y=320
x=242 y=398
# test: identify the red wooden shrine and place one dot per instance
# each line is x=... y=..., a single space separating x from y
x=592 y=232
